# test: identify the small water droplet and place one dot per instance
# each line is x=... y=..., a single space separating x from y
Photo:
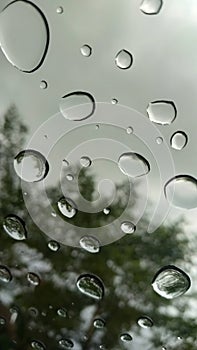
x=151 y=7
x=179 y=140
x=114 y=101
x=99 y=323
x=124 y=59
x=37 y=345
x=53 y=214
x=163 y=348
x=2 y=321
x=162 y=112
x=62 y=312
x=65 y=162
x=33 y=278
x=159 y=140
x=91 y=286
x=126 y=337
x=33 y=311
x=133 y=164
x=145 y=322
x=129 y=130
x=31 y=166
x=128 y=227
x=106 y=211
x=59 y=10
x=5 y=274
x=54 y=246
x=43 y=85
x=97 y=127
x=181 y=192
x=70 y=177
x=15 y=227
x=85 y=162
x=77 y=106
x=170 y=282
x=66 y=343
x=179 y=338
x=67 y=207
x=90 y=244
x=86 y=50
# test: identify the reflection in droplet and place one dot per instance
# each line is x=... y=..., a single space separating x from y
x=179 y=140
x=33 y=278
x=159 y=140
x=86 y=50
x=133 y=164
x=151 y=7
x=90 y=244
x=99 y=323
x=43 y=85
x=77 y=106
x=31 y=166
x=85 y=161
x=66 y=343
x=129 y=130
x=37 y=345
x=145 y=322
x=106 y=211
x=27 y=48
x=59 y=10
x=126 y=337
x=124 y=59
x=91 y=286
x=181 y=192
x=2 y=321
x=15 y=227
x=162 y=112
x=54 y=246
x=67 y=207
x=5 y=274
x=70 y=177
x=62 y=312
x=128 y=227
x=171 y=282
x=114 y=101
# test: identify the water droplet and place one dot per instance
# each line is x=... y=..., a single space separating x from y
x=5 y=274
x=114 y=101
x=91 y=286
x=53 y=214
x=133 y=164
x=65 y=162
x=85 y=162
x=170 y=282
x=66 y=343
x=106 y=211
x=97 y=127
x=67 y=207
x=54 y=246
x=2 y=321
x=162 y=112
x=33 y=311
x=33 y=278
x=86 y=50
x=77 y=106
x=181 y=192
x=70 y=177
x=124 y=59
x=59 y=10
x=151 y=7
x=90 y=244
x=99 y=323
x=37 y=345
x=145 y=322
x=27 y=48
x=163 y=348
x=159 y=140
x=31 y=166
x=62 y=312
x=179 y=140
x=129 y=130
x=43 y=85
x=128 y=227
x=126 y=337
x=15 y=227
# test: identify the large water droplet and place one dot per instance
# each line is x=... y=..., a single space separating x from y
x=145 y=322
x=66 y=343
x=15 y=227
x=181 y=191
x=90 y=244
x=31 y=166
x=54 y=246
x=77 y=106
x=24 y=43
x=86 y=50
x=179 y=140
x=128 y=227
x=162 y=112
x=151 y=7
x=91 y=286
x=5 y=274
x=99 y=323
x=37 y=345
x=124 y=59
x=85 y=161
x=133 y=164
x=170 y=282
x=67 y=207
x=33 y=278
x=126 y=337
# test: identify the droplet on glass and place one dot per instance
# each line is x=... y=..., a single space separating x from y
x=37 y=345
x=97 y=127
x=124 y=59
x=86 y=50
x=70 y=177
x=145 y=322
x=159 y=140
x=2 y=321
x=114 y=101
x=133 y=164
x=91 y=286
x=162 y=112
x=5 y=274
x=179 y=140
x=67 y=207
x=126 y=337
x=170 y=282
x=128 y=227
x=77 y=106
x=90 y=244
x=66 y=343
x=65 y=162
x=54 y=246
x=33 y=278
x=181 y=191
x=129 y=130
x=85 y=162
x=151 y=7
x=15 y=227
x=59 y=10
x=106 y=211
x=33 y=311
x=43 y=85
x=99 y=323
x=31 y=166
x=62 y=312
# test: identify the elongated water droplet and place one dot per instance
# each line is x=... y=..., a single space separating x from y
x=33 y=278
x=77 y=106
x=31 y=166
x=86 y=50
x=25 y=43
x=124 y=59
x=181 y=192
x=62 y=312
x=54 y=246
x=91 y=286
x=179 y=140
x=133 y=164
x=162 y=112
x=67 y=207
x=126 y=337
x=128 y=227
x=170 y=282
x=151 y=7
x=90 y=244
x=37 y=345
x=99 y=323
x=15 y=227
x=145 y=322
x=85 y=161
x=5 y=274
x=66 y=343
